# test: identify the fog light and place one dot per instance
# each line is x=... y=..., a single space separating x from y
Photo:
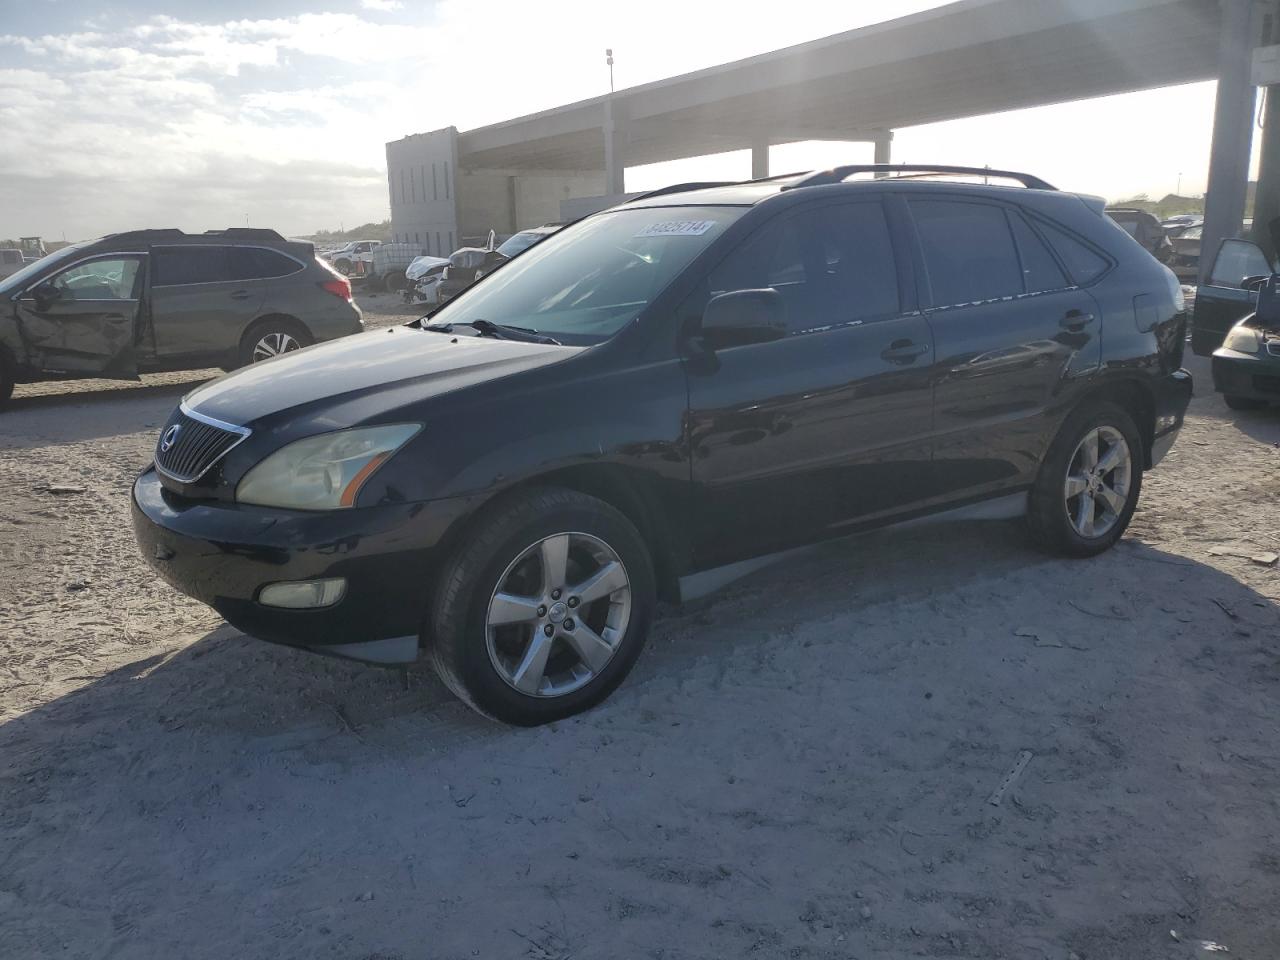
x=1166 y=422
x=303 y=594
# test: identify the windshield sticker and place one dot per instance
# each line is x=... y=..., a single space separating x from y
x=677 y=228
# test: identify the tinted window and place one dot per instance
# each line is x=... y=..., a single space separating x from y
x=1039 y=270
x=258 y=263
x=1083 y=263
x=968 y=251
x=107 y=279
x=179 y=265
x=1237 y=260
x=832 y=265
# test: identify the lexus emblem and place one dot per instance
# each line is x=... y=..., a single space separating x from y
x=169 y=438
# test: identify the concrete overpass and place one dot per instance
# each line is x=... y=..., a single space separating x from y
x=959 y=60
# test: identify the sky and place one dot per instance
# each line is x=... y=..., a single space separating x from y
x=120 y=114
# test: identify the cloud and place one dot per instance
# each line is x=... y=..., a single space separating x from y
x=383 y=6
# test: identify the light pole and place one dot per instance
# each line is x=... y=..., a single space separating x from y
x=608 y=58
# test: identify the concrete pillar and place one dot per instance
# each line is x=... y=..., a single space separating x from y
x=1266 y=205
x=615 y=146
x=1232 y=131
x=882 y=141
x=759 y=158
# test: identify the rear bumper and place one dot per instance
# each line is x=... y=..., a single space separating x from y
x=1172 y=397
x=1255 y=376
x=224 y=554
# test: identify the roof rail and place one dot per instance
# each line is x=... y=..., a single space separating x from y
x=683 y=188
x=839 y=174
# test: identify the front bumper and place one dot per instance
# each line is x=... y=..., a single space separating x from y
x=224 y=554
x=1172 y=397
x=1252 y=375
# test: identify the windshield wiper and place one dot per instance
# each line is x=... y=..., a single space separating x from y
x=499 y=331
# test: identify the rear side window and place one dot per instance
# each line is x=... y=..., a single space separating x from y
x=258 y=263
x=1083 y=263
x=175 y=266
x=833 y=265
x=968 y=251
x=1040 y=272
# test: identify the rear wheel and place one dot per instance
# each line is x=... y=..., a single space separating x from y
x=1243 y=403
x=343 y=266
x=1089 y=482
x=545 y=608
x=7 y=378
x=271 y=337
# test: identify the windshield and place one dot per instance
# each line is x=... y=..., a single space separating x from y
x=585 y=283
x=16 y=281
x=519 y=243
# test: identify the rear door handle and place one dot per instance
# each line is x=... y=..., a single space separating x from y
x=240 y=295
x=903 y=351
x=1075 y=320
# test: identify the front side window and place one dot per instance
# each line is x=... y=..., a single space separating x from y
x=1237 y=261
x=585 y=283
x=968 y=251
x=833 y=265
x=111 y=278
x=175 y=266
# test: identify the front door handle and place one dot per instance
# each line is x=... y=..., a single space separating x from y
x=1075 y=320
x=240 y=295
x=903 y=351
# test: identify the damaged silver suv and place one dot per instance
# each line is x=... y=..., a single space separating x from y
x=155 y=300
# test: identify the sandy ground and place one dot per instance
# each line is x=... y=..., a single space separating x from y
x=799 y=767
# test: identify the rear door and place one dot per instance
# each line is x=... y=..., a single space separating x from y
x=199 y=304
x=1010 y=327
x=84 y=320
x=803 y=437
x=1222 y=300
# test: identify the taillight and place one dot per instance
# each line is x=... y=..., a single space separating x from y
x=339 y=287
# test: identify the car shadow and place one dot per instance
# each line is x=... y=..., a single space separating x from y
x=77 y=415
x=234 y=773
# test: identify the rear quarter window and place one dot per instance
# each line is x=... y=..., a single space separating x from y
x=1083 y=262
x=258 y=263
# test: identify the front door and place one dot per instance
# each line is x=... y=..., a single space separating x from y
x=83 y=320
x=1222 y=300
x=803 y=437
x=1010 y=328
x=199 y=306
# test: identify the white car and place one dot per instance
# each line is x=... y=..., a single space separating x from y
x=11 y=261
x=423 y=276
x=345 y=257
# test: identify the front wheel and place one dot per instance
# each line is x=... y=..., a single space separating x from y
x=544 y=609
x=1089 y=482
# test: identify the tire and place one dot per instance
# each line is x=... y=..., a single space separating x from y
x=1243 y=403
x=284 y=334
x=1054 y=516
x=481 y=663
x=7 y=379
x=343 y=266
x=395 y=281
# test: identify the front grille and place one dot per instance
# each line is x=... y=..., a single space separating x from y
x=188 y=446
x=1273 y=347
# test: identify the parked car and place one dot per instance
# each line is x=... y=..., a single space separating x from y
x=386 y=267
x=422 y=279
x=469 y=264
x=1185 y=261
x=1246 y=368
x=155 y=300
x=345 y=257
x=1175 y=225
x=11 y=261
x=1144 y=228
x=643 y=403
x=1229 y=294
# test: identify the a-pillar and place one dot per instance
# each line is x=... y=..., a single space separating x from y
x=1232 y=131
x=616 y=118
x=759 y=158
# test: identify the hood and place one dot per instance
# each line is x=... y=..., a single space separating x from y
x=421 y=265
x=379 y=360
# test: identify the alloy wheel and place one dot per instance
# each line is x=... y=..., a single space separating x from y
x=558 y=614
x=274 y=344
x=1098 y=482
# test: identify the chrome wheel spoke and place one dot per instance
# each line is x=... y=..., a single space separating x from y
x=527 y=677
x=1097 y=484
x=507 y=608
x=1114 y=501
x=555 y=562
x=1084 y=515
x=1117 y=455
x=1076 y=485
x=590 y=646
x=1089 y=450
x=603 y=582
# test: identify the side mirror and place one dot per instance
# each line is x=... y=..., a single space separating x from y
x=46 y=293
x=1254 y=283
x=741 y=317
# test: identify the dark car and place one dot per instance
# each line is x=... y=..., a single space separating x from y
x=1229 y=293
x=1144 y=228
x=469 y=264
x=1246 y=368
x=648 y=402
x=153 y=300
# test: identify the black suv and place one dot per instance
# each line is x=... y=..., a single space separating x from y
x=645 y=401
x=152 y=300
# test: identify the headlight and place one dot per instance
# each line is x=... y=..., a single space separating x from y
x=1243 y=340
x=324 y=472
